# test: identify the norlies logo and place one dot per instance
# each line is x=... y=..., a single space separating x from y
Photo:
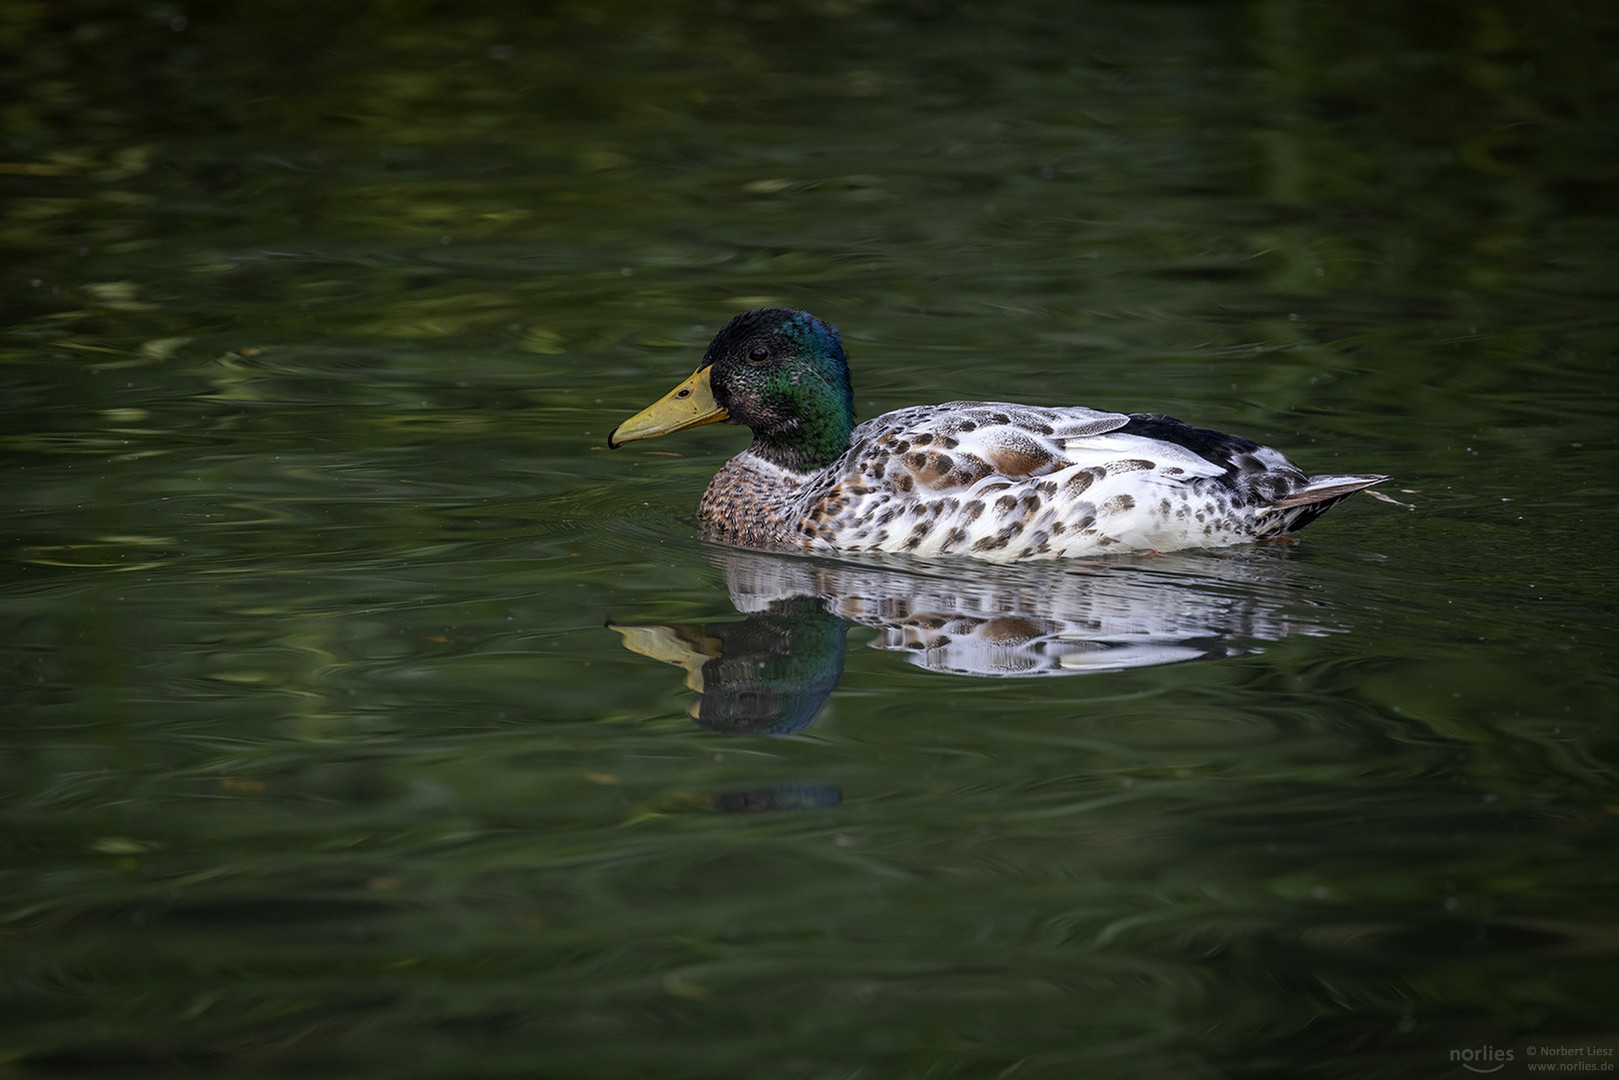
x=1482 y=1059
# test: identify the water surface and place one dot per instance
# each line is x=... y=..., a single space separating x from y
x=367 y=716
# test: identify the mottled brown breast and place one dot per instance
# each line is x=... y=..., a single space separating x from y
x=752 y=505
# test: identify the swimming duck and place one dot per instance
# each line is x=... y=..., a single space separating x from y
x=982 y=479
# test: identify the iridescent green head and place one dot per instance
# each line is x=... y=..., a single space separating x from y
x=781 y=373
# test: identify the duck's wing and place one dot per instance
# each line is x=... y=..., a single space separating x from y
x=1010 y=482
x=989 y=479
x=948 y=449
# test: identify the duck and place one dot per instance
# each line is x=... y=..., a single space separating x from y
x=985 y=480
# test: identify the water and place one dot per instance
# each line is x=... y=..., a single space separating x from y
x=368 y=717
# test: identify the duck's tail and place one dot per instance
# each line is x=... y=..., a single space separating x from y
x=1304 y=504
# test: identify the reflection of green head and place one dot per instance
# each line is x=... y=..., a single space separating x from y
x=775 y=670
x=784 y=375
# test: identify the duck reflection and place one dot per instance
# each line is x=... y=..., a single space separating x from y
x=773 y=671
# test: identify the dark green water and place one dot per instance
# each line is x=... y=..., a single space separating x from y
x=322 y=758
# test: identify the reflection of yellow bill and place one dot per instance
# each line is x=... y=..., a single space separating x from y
x=682 y=645
x=687 y=405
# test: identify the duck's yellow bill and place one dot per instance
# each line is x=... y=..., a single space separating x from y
x=687 y=405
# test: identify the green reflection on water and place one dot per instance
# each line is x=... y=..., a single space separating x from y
x=322 y=758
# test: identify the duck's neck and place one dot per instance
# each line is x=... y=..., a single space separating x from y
x=809 y=442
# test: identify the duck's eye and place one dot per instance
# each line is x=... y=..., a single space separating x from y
x=759 y=355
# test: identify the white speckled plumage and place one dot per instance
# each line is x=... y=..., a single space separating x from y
x=1007 y=482
x=987 y=480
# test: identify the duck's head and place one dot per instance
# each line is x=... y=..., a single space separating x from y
x=780 y=373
